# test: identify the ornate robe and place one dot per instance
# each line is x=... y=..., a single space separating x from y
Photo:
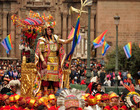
x=54 y=55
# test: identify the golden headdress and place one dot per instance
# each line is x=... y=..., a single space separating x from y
x=92 y=100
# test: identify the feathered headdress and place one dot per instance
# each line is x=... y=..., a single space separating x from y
x=15 y=83
x=34 y=21
x=130 y=96
x=70 y=98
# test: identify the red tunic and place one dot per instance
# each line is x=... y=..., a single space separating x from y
x=14 y=107
x=106 y=108
x=53 y=108
x=5 y=107
x=114 y=108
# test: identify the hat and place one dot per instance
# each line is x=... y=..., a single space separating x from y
x=107 y=108
x=87 y=95
x=17 y=97
x=4 y=97
x=15 y=83
x=105 y=96
x=114 y=108
x=92 y=100
x=124 y=107
x=51 y=97
x=6 y=79
x=71 y=101
x=70 y=98
x=83 y=97
x=31 y=102
x=41 y=100
x=98 y=97
x=12 y=98
x=113 y=95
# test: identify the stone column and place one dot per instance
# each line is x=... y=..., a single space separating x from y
x=4 y=31
x=69 y=29
x=92 y=25
x=1 y=47
x=12 y=31
x=82 y=46
x=64 y=36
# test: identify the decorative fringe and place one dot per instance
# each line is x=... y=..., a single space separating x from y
x=65 y=93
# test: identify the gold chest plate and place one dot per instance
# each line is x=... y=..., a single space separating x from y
x=53 y=47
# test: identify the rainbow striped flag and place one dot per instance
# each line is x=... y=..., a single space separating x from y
x=99 y=38
x=128 y=50
x=105 y=47
x=7 y=43
x=75 y=38
x=72 y=34
x=100 y=44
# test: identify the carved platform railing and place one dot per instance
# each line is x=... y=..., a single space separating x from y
x=28 y=73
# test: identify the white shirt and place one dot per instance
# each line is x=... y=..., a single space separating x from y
x=108 y=82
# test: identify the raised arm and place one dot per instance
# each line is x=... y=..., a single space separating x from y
x=62 y=41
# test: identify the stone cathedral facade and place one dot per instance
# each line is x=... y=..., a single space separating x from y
x=102 y=18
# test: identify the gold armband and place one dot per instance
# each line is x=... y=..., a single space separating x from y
x=41 y=46
x=41 y=57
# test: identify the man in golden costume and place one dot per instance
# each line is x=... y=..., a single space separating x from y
x=49 y=59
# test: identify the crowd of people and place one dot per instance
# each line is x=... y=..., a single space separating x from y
x=69 y=99
x=78 y=73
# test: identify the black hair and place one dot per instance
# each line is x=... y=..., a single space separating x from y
x=52 y=30
x=41 y=107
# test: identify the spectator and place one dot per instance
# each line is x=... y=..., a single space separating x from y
x=82 y=75
x=102 y=62
x=124 y=75
x=102 y=76
x=10 y=73
x=97 y=89
x=107 y=82
x=91 y=85
x=15 y=74
x=108 y=76
x=72 y=75
x=83 y=82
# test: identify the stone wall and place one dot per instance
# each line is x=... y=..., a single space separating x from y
x=129 y=26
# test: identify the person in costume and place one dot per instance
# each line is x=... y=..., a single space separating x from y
x=12 y=102
x=5 y=99
x=5 y=86
x=15 y=87
x=105 y=99
x=49 y=59
x=90 y=103
x=17 y=97
x=31 y=104
x=1 y=101
x=114 y=98
x=70 y=100
x=130 y=96
x=98 y=97
x=52 y=102
x=22 y=103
